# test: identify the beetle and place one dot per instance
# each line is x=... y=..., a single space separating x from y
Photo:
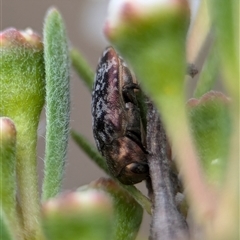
x=117 y=127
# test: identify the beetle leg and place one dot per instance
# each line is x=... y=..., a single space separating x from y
x=128 y=92
x=134 y=136
x=133 y=130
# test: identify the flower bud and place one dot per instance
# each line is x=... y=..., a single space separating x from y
x=8 y=189
x=151 y=37
x=130 y=13
x=7 y=132
x=22 y=76
x=79 y=215
x=127 y=211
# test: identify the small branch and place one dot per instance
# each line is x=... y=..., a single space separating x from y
x=198 y=34
x=209 y=72
x=138 y=196
x=167 y=222
x=82 y=68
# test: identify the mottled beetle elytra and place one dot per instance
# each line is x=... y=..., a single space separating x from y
x=117 y=127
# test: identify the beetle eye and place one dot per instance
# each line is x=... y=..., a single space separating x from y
x=138 y=168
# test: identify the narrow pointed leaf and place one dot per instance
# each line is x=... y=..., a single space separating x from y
x=5 y=233
x=57 y=102
x=82 y=68
x=90 y=150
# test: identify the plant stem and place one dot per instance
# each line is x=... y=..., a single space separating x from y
x=200 y=196
x=208 y=74
x=8 y=188
x=173 y=225
x=82 y=68
x=90 y=150
x=138 y=196
x=27 y=178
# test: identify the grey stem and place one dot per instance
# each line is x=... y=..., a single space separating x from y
x=167 y=222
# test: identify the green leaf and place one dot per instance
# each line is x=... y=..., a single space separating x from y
x=5 y=233
x=225 y=18
x=211 y=127
x=57 y=102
